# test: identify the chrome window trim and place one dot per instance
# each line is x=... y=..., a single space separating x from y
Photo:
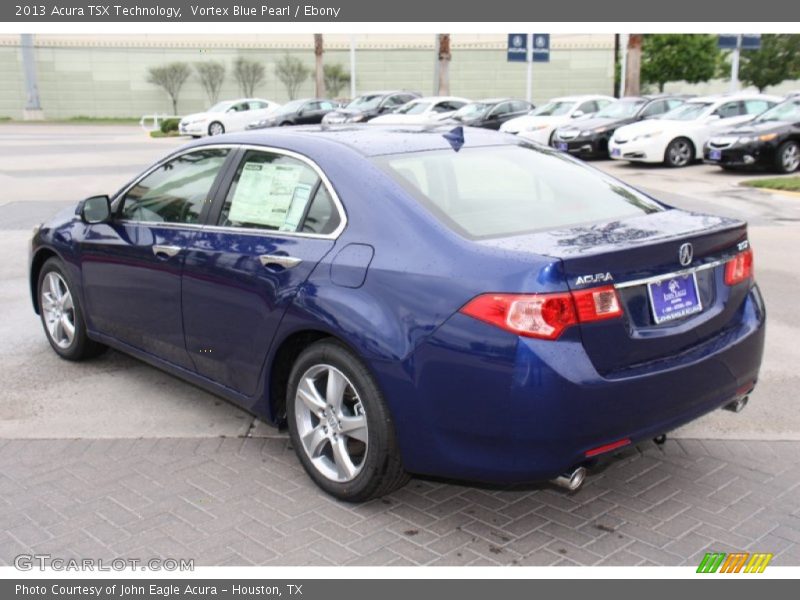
x=687 y=271
x=246 y=230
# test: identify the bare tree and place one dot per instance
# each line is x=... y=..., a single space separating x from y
x=211 y=75
x=170 y=78
x=444 y=64
x=249 y=74
x=291 y=71
x=319 y=75
x=336 y=78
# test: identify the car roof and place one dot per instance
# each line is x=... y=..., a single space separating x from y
x=737 y=96
x=580 y=97
x=438 y=99
x=367 y=140
x=494 y=100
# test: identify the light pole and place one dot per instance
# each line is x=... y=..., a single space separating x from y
x=33 y=107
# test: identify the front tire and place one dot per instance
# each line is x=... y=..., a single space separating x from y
x=62 y=315
x=679 y=153
x=216 y=128
x=340 y=426
x=787 y=158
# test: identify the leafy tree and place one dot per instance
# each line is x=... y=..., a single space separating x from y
x=292 y=72
x=336 y=79
x=777 y=60
x=211 y=75
x=170 y=78
x=249 y=74
x=679 y=57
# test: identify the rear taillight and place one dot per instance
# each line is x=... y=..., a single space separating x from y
x=544 y=315
x=739 y=268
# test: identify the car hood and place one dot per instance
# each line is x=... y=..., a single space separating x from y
x=595 y=122
x=349 y=112
x=763 y=127
x=196 y=116
x=652 y=125
x=406 y=119
x=529 y=121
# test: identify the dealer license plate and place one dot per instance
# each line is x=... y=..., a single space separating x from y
x=674 y=297
x=615 y=152
x=715 y=155
x=563 y=146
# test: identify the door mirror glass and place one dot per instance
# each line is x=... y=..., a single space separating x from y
x=96 y=209
x=577 y=113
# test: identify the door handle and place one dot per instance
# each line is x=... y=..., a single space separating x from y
x=166 y=251
x=281 y=260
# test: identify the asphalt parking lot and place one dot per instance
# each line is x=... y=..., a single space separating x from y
x=115 y=458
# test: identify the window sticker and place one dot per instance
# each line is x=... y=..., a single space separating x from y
x=297 y=207
x=264 y=194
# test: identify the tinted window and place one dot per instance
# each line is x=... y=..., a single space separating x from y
x=655 y=108
x=520 y=106
x=674 y=103
x=501 y=109
x=326 y=105
x=504 y=190
x=176 y=191
x=729 y=109
x=322 y=216
x=756 y=107
x=588 y=107
x=397 y=100
x=257 y=105
x=269 y=191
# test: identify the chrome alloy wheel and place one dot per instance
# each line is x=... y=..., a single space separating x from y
x=216 y=129
x=331 y=423
x=59 y=310
x=790 y=158
x=680 y=153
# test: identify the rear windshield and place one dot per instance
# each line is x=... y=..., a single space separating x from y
x=499 y=191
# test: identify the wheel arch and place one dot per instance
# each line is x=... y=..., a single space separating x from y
x=41 y=256
x=284 y=357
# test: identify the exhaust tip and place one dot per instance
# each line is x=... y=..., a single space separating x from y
x=572 y=480
x=737 y=405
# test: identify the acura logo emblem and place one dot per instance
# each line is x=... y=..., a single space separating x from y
x=685 y=254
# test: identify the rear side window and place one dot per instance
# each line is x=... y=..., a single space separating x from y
x=756 y=107
x=275 y=192
x=176 y=191
x=506 y=190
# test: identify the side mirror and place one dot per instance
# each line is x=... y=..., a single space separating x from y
x=577 y=113
x=96 y=209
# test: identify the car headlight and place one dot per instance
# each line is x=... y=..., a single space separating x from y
x=356 y=118
x=746 y=139
x=535 y=127
x=646 y=136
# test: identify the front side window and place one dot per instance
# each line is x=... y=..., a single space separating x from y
x=756 y=107
x=275 y=192
x=654 y=108
x=690 y=111
x=507 y=190
x=176 y=191
x=729 y=109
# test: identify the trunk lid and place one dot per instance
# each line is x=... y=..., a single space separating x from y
x=632 y=253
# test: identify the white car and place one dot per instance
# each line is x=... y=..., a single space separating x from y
x=678 y=136
x=420 y=111
x=230 y=115
x=540 y=124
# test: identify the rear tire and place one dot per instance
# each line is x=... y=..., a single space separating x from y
x=680 y=153
x=787 y=158
x=62 y=314
x=340 y=426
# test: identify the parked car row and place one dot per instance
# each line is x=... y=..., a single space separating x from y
x=732 y=130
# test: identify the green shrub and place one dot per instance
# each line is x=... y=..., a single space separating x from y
x=168 y=125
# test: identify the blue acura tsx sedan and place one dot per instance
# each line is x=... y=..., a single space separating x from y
x=453 y=303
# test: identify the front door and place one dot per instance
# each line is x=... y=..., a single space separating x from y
x=132 y=266
x=275 y=223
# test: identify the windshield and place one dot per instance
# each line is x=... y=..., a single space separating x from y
x=687 y=112
x=620 y=110
x=472 y=110
x=552 y=109
x=221 y=107
x=787 y=111
x=498 y=191
x=366 y=102
x=292 y=106
x=413 y=108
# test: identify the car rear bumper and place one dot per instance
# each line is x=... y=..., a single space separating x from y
x=488 y=409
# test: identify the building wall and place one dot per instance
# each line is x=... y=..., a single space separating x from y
x=106 y=76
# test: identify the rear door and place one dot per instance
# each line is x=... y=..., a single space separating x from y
x=272 y=222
